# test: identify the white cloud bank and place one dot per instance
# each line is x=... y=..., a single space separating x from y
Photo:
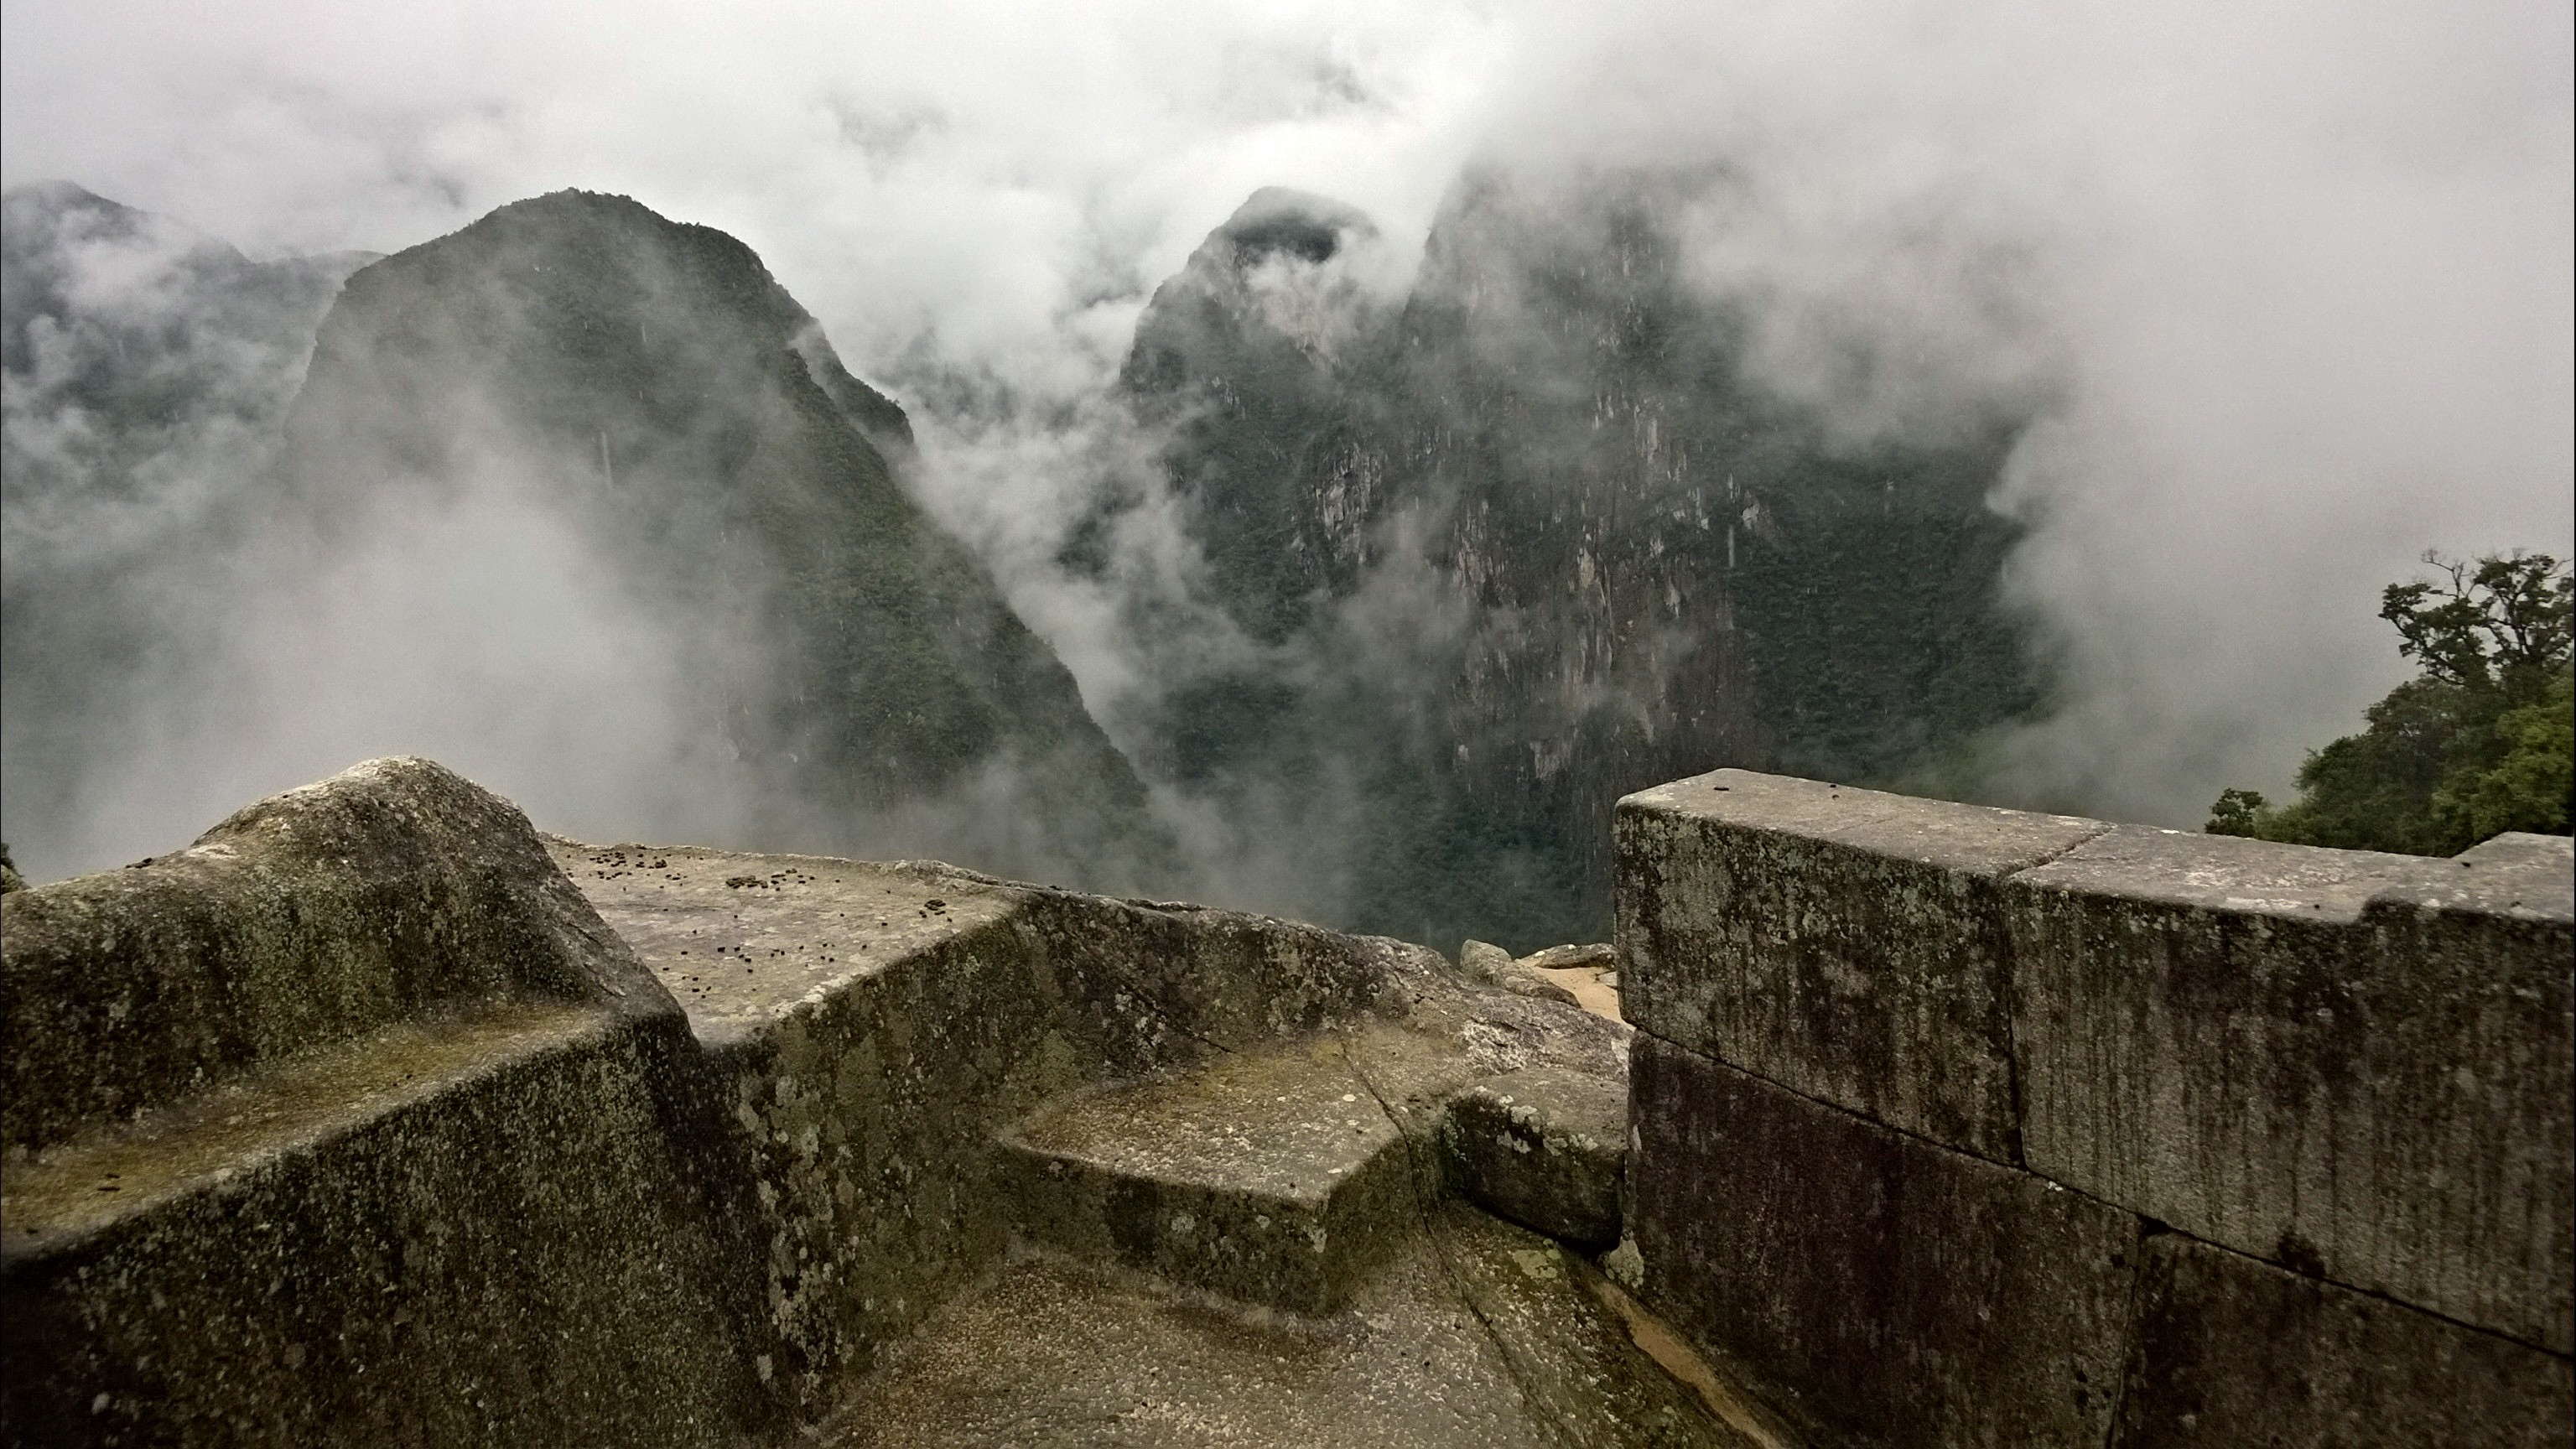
x=2298 y=273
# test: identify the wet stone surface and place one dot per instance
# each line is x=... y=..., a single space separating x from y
x=2230 y=1350
x=1845 y=943
x=1545 y=1148
x=1473 y=1334
x=721 y=1136
x=739 y=939
x=1273 y=1177
x=395 y=891
x=2350 y=1064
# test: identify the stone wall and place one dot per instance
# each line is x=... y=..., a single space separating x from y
x=374 y=1116
x=358 y=1122
x=353 y=1122
x=1969 y=1126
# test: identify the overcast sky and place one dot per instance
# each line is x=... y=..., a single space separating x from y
x=2304 y=267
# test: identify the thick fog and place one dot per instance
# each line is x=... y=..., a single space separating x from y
x=2287 y=284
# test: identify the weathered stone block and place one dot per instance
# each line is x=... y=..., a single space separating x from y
x=1275 y=1178
x=1495 y=966
x=1544 y=1147
x=486 y=1232
x=1901 y=1293
x=392 y=891
x=2234 y=1351
x=1846 y=943
x=872 y=1025
x=2354 y=1065
x=1595 y=955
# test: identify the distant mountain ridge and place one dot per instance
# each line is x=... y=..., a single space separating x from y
x=145 y=371
x=126 y=338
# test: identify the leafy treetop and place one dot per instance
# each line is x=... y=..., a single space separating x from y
x=2482 y=741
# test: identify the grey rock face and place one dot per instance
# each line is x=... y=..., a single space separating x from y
x=1546 y=1148
x=2353 y=1065
x=1901 y=1293
x=1528 y=537
x=393 y=892
x=1845 y=943
x=1598 y=954
x=352 y=1119
x=1484 y=961
x=2233 y=1351
x=684 y=418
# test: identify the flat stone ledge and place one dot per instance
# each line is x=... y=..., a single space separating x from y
x=393 y=891
x=1273 y=1178
x=475 y=1235
x=2226 y=874
x=743 y=941
x=2517 y=875
x=2234 y=1351
x=1846 y=943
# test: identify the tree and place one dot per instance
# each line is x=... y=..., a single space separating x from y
x=2482 y=741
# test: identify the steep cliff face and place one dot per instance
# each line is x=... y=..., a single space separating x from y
x=1527 y=539
x=651 y=383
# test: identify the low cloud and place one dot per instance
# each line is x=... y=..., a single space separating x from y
x=2288 y=284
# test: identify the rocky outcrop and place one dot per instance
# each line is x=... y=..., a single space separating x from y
x=395 y=892
x=372 y=1113
x=352 y=1119
x=891 y=1152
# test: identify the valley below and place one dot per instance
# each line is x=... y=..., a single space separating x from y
x=581 y=499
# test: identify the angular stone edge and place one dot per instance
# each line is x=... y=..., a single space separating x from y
x=1845 y=943
x=862 y=1122
x=1303 y=1257
x=1545 y=1148
x=392 y=891
x=527 y=1256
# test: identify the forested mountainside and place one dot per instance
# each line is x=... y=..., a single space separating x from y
x=1488 y=553
x=145 y=368
x=692 y=418
x=642 y=393
x=1527 y=539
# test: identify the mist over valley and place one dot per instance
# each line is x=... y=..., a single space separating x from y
x=1316 y=468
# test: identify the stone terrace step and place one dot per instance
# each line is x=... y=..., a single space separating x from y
x=1276 y=1178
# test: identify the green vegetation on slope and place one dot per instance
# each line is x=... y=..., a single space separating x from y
x=682 y=411
x=1532 y=538
x=2482 y=741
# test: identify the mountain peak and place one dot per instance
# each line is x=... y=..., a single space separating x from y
x=1278 y=219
